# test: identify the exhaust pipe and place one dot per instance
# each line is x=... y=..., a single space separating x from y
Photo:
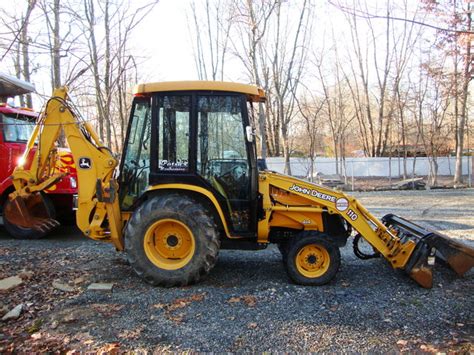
x=430 y=245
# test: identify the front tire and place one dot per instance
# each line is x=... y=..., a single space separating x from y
x=171 y=240
x=312 y=260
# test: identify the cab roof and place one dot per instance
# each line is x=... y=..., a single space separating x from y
x=253 y=92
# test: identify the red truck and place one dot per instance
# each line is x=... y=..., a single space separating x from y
x=16 y=126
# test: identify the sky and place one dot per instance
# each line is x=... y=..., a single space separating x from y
x=163 y=37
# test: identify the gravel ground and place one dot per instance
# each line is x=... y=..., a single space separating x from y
x=247 y=302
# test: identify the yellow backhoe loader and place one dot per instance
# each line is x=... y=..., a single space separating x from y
x=188 y=184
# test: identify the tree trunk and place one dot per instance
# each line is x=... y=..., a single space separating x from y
x=25 y=50
x=56 y=50
x=464 y=95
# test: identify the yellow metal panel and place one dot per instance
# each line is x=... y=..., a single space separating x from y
x=254 y=93
x=299 y=196
x=296 y=220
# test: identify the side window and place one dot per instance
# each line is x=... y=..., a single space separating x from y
x=136 y=162
x=173 y=133
x=221 y=141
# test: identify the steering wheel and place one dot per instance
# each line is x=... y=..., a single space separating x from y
x=236 y=172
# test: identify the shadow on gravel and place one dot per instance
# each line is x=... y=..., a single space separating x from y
x=58 y=234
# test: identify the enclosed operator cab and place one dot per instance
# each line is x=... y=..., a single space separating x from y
x=203 y=141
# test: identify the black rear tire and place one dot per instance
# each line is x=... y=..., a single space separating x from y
x=171 y=210
x=18 y=232
x=312 y=260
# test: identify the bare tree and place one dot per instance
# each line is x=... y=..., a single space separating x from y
x=338 y=111
x=110 y=60
x=433 y=100
x=287 y=65
x=252 y=23
x=373 y=111
x=19 y=44
x=456 y=39
x=210 y=38
x=310 y=108
x=52 y=14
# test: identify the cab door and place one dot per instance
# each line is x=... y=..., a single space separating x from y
x=223 y=156
x=135 y=164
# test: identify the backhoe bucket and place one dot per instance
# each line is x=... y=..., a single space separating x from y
x=30 y=212
x=430 y=245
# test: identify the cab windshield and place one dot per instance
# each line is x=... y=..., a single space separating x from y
x=16 y=130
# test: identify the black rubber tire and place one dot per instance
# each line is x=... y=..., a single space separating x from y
x=186 y=210
x=283 y=248
x=311 y=237
x=18 y=232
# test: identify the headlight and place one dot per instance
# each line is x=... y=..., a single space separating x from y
x=73 y=182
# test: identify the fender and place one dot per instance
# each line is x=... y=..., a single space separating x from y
x=200 y=191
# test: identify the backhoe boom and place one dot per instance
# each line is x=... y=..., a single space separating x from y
x=98 y=214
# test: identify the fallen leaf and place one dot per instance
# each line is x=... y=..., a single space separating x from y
x=179 y=303
x=131 y=334
x=252 y=325
x=251 y=301
x=109 y=349
x=234 y=300
x=78 y=280
x=183 y=302
x=177 y=318
x=428 y=348
x=107 y=309
x=36 y=336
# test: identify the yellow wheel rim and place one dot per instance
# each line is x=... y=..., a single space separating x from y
x=313 y=260
x=169 y=244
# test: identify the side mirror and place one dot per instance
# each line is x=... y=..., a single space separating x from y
x=250 y=134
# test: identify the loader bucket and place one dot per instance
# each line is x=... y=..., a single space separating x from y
x=30 y=212
x=458 y=256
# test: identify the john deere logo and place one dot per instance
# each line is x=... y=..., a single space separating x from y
x=85 y=163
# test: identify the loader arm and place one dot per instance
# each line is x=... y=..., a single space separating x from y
x=402 y=243
x=98 y=213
